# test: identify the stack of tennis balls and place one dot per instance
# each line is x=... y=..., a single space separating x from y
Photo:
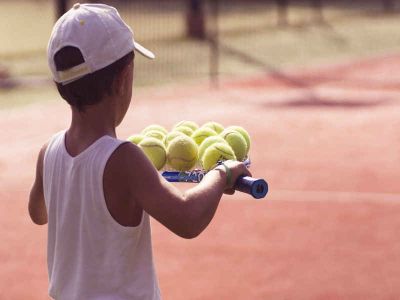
x=231 y=143
x=189 y=145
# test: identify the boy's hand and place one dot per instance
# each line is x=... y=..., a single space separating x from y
x=236 y=169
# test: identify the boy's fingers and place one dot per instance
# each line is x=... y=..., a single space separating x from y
x=249 y=173
x=229 y=191
x=246 y=171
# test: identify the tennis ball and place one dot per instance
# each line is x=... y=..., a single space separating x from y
x=192 y=125
x=201 y=134
x=182 y=153
x=237 y=142
x=215 y=153
x=136 y=138
x=208 y=142
x=244 y=133
x=218 y=128
x=154 y=127
x=171 y=135
x=155 y=134
x=155 y=151
x=184 y=129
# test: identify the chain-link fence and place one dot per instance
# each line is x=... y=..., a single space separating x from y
x=197 y=40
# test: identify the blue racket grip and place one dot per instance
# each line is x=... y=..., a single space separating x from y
x=256 y=187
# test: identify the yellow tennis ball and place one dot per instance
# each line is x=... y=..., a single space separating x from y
x=155 y=134
x=184 y=129
x=192 y=125
x=155 y=151
x=244 y=133
x=237 y=142
x=215 y=153
x=182 y=153
x=135 y=138
x=218 y=128
x=154 y=127
x=201 y=134
x=208 y=142
x=170 y=136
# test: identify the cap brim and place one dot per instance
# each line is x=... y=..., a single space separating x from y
x=144 y=51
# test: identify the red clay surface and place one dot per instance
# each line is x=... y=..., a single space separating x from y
x=326 y=140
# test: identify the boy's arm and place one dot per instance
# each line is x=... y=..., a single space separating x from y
x=186 y=214
x=37 y=206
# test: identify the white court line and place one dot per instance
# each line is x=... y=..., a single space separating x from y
x=323 y=196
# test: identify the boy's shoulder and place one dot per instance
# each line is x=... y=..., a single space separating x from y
x=126 y=162
x=40 y=159
x=124 y=154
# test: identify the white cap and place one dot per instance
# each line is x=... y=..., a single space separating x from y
x=98 y=31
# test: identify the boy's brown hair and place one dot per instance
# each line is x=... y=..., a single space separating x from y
x=91 y=88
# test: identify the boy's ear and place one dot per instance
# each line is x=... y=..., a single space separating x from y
x=118 y=87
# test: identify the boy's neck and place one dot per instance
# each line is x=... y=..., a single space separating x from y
x=95 y=122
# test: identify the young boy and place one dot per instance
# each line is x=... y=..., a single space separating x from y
x=96 y=192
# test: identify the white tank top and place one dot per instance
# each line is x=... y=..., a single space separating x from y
x=90 y=255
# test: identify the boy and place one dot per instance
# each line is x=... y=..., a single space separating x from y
x=96 y=192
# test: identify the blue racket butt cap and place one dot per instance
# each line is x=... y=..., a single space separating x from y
x=256 y=187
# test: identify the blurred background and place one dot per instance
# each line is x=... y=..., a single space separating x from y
x=210 y=39
x=317 y=85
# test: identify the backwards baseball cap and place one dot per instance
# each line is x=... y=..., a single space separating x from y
x=98 y=31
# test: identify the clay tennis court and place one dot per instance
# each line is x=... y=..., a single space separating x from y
x=326 y=139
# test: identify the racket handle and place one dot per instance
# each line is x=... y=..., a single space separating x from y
x=256 y=187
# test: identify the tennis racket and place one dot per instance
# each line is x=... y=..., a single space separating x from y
x=256 y=187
